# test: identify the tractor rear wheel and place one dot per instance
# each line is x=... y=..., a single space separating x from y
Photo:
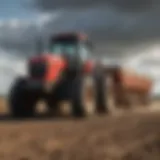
x=102 y=106
x=21 y=104
x=105 y=93
x=83 y=96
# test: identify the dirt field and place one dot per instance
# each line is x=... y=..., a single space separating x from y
x=132 y=136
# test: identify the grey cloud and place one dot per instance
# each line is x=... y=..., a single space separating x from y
x=132 y=21
x=113 y=31
x=124 y=5
x=108 y=19
x=110 y=30
x=19 y=39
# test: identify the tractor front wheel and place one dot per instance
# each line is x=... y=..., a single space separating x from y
x=21 y=104
x=84 y=96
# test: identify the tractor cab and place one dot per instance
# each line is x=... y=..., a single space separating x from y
x=73 y=46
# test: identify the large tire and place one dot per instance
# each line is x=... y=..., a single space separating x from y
x=21 y=104
x=83 y=98
x=105 y=96
x=101 y=88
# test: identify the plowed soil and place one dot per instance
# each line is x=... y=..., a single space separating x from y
x=126 y=136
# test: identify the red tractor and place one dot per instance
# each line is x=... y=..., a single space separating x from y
x=66 y=72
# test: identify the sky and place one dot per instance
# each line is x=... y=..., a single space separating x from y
x=126 y=32
x=15 y=9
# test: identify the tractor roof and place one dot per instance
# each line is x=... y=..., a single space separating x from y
x=74 y=35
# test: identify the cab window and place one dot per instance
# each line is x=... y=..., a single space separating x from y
x=63 y=48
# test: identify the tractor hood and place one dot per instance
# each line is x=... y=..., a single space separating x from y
x=47 y=67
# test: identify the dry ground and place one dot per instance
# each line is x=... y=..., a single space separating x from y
x=129 y=136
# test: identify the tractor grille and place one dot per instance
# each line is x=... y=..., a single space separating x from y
x=37 y=70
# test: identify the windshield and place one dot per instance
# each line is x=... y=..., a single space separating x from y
x=70 y=48
x=63 y=47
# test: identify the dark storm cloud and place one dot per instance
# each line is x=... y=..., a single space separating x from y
x=111 y=28
x=134 y=5
x=112 y=32
x=129 y=5
x=107 y=19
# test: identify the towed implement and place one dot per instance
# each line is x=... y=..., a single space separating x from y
x=68 y=73
x=129 y=88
